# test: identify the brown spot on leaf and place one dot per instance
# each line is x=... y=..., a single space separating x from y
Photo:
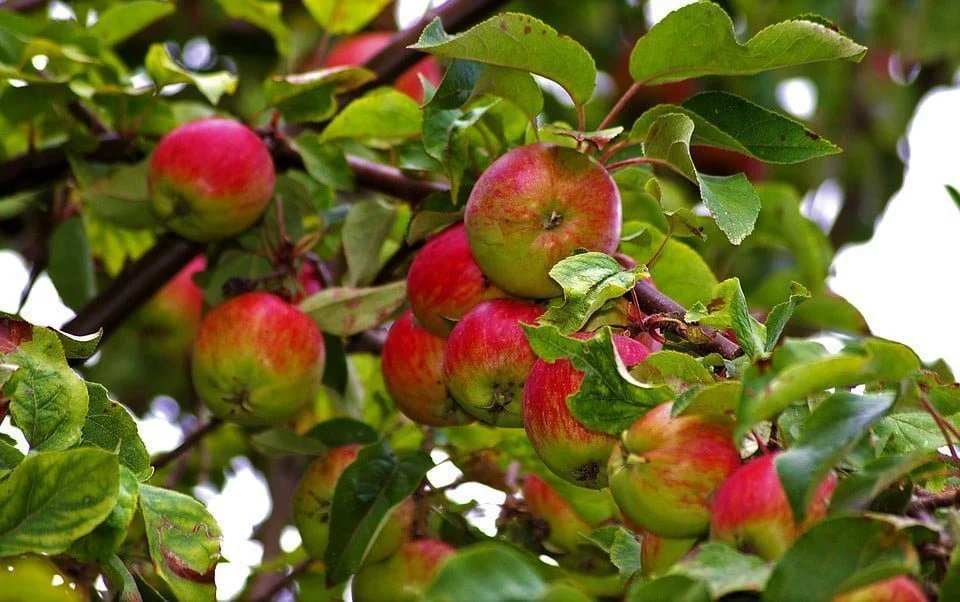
x=811 y=135
x=503 y=25
x=527 y=29
x=715 y=305
x=181 y=569
x=13 y=332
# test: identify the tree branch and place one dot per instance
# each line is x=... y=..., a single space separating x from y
x=188 y=442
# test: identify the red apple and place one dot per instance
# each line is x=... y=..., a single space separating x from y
x=658 y=554
x=210 y=179
x=664 y=470
x=534 y=206
x=568 y=448
x=314 y=495
x=405 y=576
x=565 y=524
x=172 y=317
x=895 y=589
x=309 y=282
x=444 y=282
x=257 y=360
x=750 y=510
x=488 y=358
x=412 y=364
x=357 y=49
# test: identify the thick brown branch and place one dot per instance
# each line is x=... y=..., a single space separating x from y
x=933 y=501
x=189 y=441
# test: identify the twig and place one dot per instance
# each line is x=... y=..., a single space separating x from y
x=630 y=93
x=644 y=161
x=946 y=499
x=188 y=442
x=944 y=426
x=284 y=583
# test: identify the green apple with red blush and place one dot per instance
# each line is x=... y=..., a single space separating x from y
x=658 y=554
x=444 y=282
x=412 y=364
x=534 y=206
x=313 y=498
x=571 y=450
x=563 y=523
x=750 y=509
x=664 y=470
x=488 y=358
x=895 y=589
x=172 y=317
x=210 y=179
x=405 y=576
x=257 y=360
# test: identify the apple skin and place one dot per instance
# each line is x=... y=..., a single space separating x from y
x=664 y=470
x=658 y=554
x=444 y=282
x=488 y=358
x=210 y=179
x=308 y=281
x=257 y=360
x=895 y=589
x=412 y=364
x=314 y=495
x=533 y=207
x=405 y=576
x=565 y=524
x=750 y=509
x=571 y=450
x=172 y=317
x=357 y=49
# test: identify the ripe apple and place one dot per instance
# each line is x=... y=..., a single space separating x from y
x=895 y=589
x=488 y=358
x=750 y=509
x=309 y=282
x=444 y=282
x=257 y=360
x=405 y=576
x=172 y=317
x=534 y=206
x=412 y=364
x=564 y=523
x=357 y=49
x=568 y=448
x=210 y=179
x=314 y=495
x=664 y=470
x=658 y=554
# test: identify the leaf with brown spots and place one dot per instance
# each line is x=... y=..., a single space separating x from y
x=13 y=332
x=347 y=311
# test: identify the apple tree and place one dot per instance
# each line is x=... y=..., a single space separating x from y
x=555 y=253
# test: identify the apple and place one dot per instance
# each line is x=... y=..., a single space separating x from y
x=405 y=576
x=750 y=509
x=412 y=364
x=172 y=317
x=210 y=179
x=314 y=495
x=308 y=282
x=357 y=49
x=534 y=206
x=444 y=282
x=664 y=470
x=895 y=589
x=488 y=358
x=658 y=554
x=565 y=525
x=257 y=360
x=569 y=449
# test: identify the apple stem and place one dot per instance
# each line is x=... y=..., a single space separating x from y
x=944 y=426
x=621 y=103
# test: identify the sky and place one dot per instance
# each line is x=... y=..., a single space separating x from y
x=903 y=281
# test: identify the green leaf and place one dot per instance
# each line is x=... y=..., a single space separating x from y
x=679 y=272
x=609 y=399
x=10 y=457
x=598 y=139
x=519 y=42
x=733 y=203
x=282 y=441
x=48 y=401
x=844 y=553
x=51 y=499
x=677 y=370
x=347 y=311
x=829 y=433
x=954 y=195
x=908 y=431
x=366 y=228
x=110 y=426
x=120 y=580
x=666 y=52
x=79 y=346
x=675 y=588
x=435 y=213
x=717 y=398
x=343 y=431
x=857 y=490
x=384 y=116
x=370 y=487
x=588 y=281
x=780 y=314
x=114 y=247
x=311 y=96
x=723 y=570
x=668 y=139
x=728 y=309
x=165 y=71
x=728 y=121
x=487 y=572
x=344 y=16
x=104 y=541
x=513 y=85
x=120 y=21
x=767 y=390
x=71 y=263
x=324 y=161
x=265 y=15
x=184 y=542
x=119 y=197
x=621 y=545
